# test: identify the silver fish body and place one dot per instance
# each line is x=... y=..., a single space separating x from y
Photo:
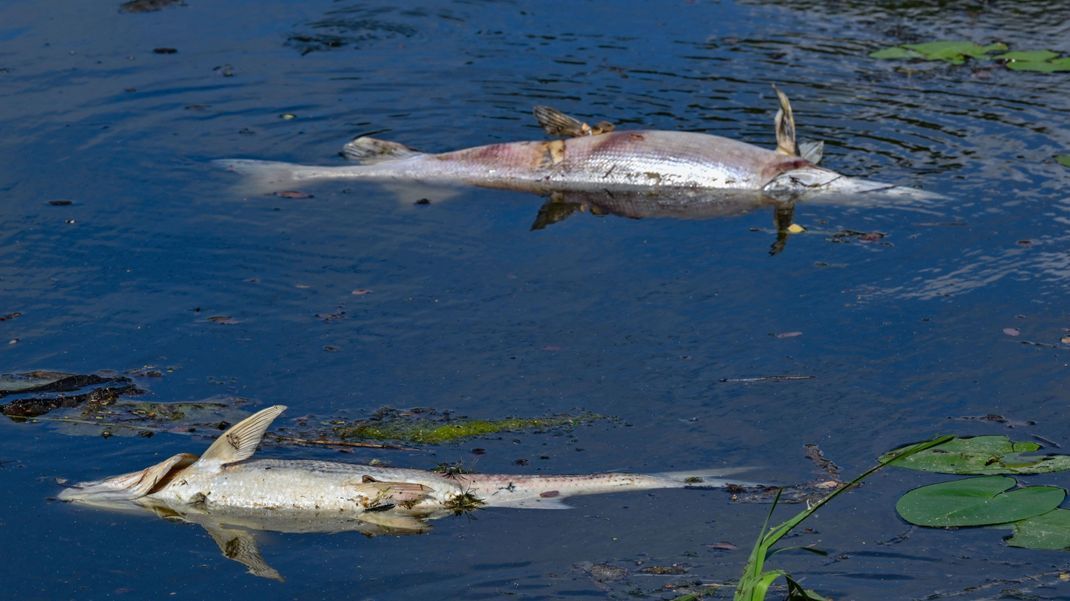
x=232 y=495
x=617 y=161
x=226 y=476
x=621 y=160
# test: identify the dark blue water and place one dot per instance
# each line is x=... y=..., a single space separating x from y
x=472 y=312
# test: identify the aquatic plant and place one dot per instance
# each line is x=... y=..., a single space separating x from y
x=755 y=582
x=1032 y=512
x=957 y=52
x=428 y=427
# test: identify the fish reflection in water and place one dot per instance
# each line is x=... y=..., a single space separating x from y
x=232 y=496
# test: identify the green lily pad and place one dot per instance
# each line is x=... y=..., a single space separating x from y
x=954 y=52
x=894 y=53
x=976 y=502
x=1053 y=66
x=1047 y=531
x=1029 y=56
x=984 y=455
x=1063 y=159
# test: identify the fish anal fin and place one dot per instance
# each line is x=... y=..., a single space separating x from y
x=785 y=126
x=373 y=150
x=240 y=441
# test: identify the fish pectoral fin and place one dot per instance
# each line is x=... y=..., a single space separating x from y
x=240 y=441
x=149 y=477
x=240 y=545
x=812 y=151
x=556 y=123
x=785 y=126
x=373 y=150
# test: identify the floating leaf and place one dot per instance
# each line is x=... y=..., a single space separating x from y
x=1029 y=56
x=985 y=455
x=954 y=52
x=1052 y=66
x=976 y=502
x=1048 y=531
x=894 y=53
x=1063 y=159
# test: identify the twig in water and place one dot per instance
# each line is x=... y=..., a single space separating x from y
x=781 y=378
x=340 y=443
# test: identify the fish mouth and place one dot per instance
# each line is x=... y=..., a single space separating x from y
x=810 y=181
x=101 y=493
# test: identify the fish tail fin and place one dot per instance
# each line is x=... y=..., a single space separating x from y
x=262 y=177
x=239 y=442
x=707 y=478
x=368 y=151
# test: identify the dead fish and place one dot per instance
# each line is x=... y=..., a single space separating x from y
x=592 y=158
x=229 y=493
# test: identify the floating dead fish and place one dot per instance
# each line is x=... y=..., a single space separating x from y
x=599 y=159
x=230 y=494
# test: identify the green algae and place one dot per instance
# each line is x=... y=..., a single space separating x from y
x=430 y=427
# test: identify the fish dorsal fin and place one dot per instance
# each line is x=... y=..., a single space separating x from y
x=373 y=150
x=785 y=126
x=556 y=123
x=240 y=441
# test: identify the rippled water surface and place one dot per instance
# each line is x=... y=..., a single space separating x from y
x=469 y=310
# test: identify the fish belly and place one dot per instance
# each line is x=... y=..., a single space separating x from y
x=312 y=486
x=627 y=159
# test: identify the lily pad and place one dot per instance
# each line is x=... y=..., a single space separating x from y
x=984 y=455
x=1063 y=159
x=1050 y=66
x=895 y=53
x=1048 y=531
x=1028 y=56
x=954 y=51
x=976 y=502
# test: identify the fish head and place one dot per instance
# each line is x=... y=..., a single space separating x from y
x=811 y=180
x=124 y=488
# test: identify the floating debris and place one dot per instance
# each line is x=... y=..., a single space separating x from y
x=776 y=378
x=148 y=6
x=428 y=426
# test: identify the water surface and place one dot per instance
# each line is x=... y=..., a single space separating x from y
x=472 y=312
